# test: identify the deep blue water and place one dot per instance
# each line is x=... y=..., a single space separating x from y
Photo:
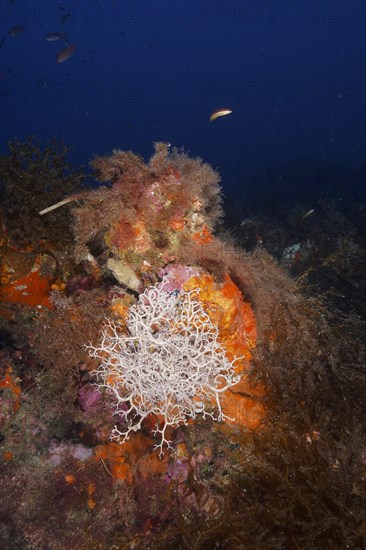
x=292 y=72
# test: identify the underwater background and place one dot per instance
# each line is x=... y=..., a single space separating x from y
x=182 y=274
x=293 y=74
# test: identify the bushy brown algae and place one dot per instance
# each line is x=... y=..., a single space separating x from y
x=61 y=337
x=32 y=178
x=129 y=174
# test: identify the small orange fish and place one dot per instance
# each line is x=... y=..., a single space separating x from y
x=219 y=112
x=65 y=53
x=16 y=30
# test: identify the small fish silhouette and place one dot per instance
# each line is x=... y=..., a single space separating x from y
x=14 y=31
x=65 y=53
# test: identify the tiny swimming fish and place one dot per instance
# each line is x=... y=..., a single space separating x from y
x=52 y=36
x=14 y=31
x=308 y=214
x=65 y=53
x=64 y=18
x=219 y=112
